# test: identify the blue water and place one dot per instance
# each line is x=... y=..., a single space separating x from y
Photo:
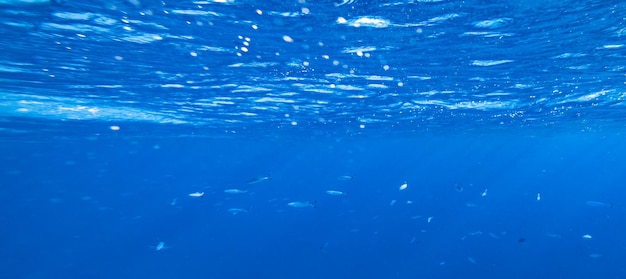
x=200 y=139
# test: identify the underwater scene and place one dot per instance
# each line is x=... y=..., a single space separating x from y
x=312 y=139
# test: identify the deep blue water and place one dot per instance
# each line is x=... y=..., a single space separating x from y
x=200 y=139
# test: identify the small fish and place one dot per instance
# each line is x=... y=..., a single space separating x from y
x=235 y=211
x=553 y=235
x=538 y=196
x=335 y=193
x=173 y=202
x=196 y=194
x=344 y=177
x=484 y=193
x=587 y=236
x=235 y=191
x=597 y=204
x=301 y=204
x=258 y=179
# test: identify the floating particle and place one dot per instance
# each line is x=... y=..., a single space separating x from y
x=587 y=236
x=115 y=128
x=484 y=193
x=403 y=186
x=538 y=196
x=458 y=188
x=287 y=39
x=430 y=219
x=344 y=177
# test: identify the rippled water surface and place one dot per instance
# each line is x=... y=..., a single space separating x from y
x=228 y=66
